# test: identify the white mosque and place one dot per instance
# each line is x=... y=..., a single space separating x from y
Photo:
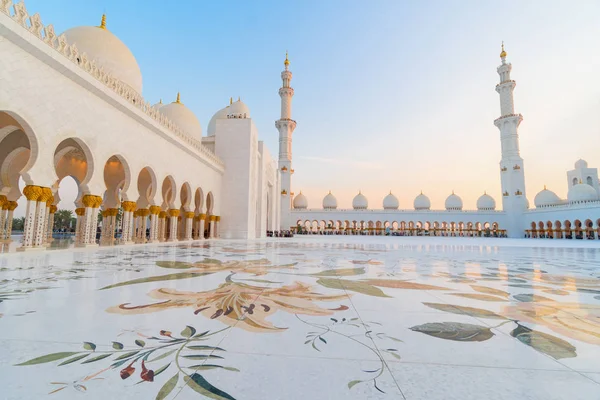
x=71 y=105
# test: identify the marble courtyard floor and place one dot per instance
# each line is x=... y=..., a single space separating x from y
x=304 y=318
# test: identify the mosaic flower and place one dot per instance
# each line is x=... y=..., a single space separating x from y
x=574 y=320
x=240 y=305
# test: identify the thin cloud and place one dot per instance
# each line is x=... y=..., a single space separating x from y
x=343 y=162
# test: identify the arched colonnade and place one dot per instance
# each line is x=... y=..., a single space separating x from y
x=566 y=229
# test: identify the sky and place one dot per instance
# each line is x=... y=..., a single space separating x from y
x=389 y=95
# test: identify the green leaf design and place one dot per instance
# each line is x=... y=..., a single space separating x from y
x=544 y=343
x=477 y=296
x=199 y=335
x=528 y=297
x=161 y=369
x=188 y=331
x=100 y=357
x=174 y=264
x=201 y=356
x=396 y=284
x=456 y=331
x=461 y=310
x=354 y=286
x=205 y=348
x=74 y=359
x=117 y=345
x=167 y=387
x=89 y=346
x=159 y=278
x=127 y=355
x=201 y=367
x=202 y=386
x=140 y=342
x=341 y=272
x=352 y=383
x=48 y=358
x=164 y=355
x=489 y=290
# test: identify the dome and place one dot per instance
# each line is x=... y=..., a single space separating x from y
x=300 y=201
x=390 y=202
x=422 y=202
x=486 y=202
x=581 y=164
x=329 y=201
x=546 y=198
x=158 y=105
x=238 y=109
x=212 y=124
x=454 y=202
x=108 y=52
x=360 y=202
x=582 y=193
x=183 y=117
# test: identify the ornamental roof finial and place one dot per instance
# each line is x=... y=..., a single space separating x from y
x=503 y=53
x=103 y=22
x=286 y=62
x=178 y=101
x=230 y=100
x=545 y=187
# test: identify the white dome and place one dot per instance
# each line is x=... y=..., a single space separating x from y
x=546 y=198
x=183 y=117
x=422 y=202
x=300 y=201
x=108 y=52
x=158 y=105
x=238 y=109
x=360 y=202
x=581 y=164
x=454 y=202
x=212 y=124
x=486 y=202
x=582 y=193
x=329 y=201
x=390 y=202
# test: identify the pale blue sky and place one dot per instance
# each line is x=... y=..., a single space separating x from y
x=389 y=94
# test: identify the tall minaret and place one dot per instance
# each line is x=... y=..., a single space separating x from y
x=512 y=173
x=286 y=125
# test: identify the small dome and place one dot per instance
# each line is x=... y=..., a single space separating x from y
x=422 y=202
x=329 y=202
x=108 y=52
x=454 y=202
x=390 y=202
x=300 y=201
x=546 y=198
x=212 y=124
x=238 y=109
x=158 y=105
x=582 y=193
x=486 y=202
x=360 y=202
x=183 y=117
x=581 y=164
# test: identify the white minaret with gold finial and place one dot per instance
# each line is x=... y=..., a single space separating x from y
x=286 y=125
x=512 y=172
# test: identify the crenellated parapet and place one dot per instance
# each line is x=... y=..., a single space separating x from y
x=46 y=34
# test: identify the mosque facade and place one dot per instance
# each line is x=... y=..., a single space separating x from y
x=71 y=105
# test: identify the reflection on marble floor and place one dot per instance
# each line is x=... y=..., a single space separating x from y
x=324 y=318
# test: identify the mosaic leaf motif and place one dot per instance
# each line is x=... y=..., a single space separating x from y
x=545 y=343
x=455 y=331
x=48 y=358
x=168 y=387
x=461 y=310
x=174 y=264
x=341 y=272
x=159 y=278
x=202 y=386
x=389 y=283
x=366 y=262
x=478 y=296
x=488 y=290
x=354 y=286
x=528 y=297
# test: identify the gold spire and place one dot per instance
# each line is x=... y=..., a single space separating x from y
x=580 y=181
x=503 y=53
x=239 y=98
x=330 y=192
x=159 y=101
x=544 y=187
x=178 y=101
x=103 y=22
x=485 y=192
x=286 y=62
x=230 y=100
x=390 y=192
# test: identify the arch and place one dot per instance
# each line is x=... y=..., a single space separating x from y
x=589 y=181
x=147 y=187
x=210 y=200
x=12 y=122
x=73 y=157
x=117 y=177
x=168 y=190
x=574 y=181
x=198 y=200
x=185 y=196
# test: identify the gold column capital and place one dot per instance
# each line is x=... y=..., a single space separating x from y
x=45 y=196
x=218 y=218
x=128 y=206
x=80 y=211
x=89 y=200
x=162 y=214
x=173 y=212
x=202 y=216
x=12 y=205
x=143 y=212
x=112 y=212
x=53 y=209
x=213 y=217
x=3 y=200
x=154 y=209
x=189 y=214
x=32 y=192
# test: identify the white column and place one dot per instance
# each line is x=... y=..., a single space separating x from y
x=50 y=229
x=32 y=194
x=211 y=226
x=162 y=218
x=126 y=235
x=189 y=220
x=201 y=227
x=173 y=214
x=41 y=218
x=217 y=223
x=79 y=225
x=3 y=212
x=9 y=220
